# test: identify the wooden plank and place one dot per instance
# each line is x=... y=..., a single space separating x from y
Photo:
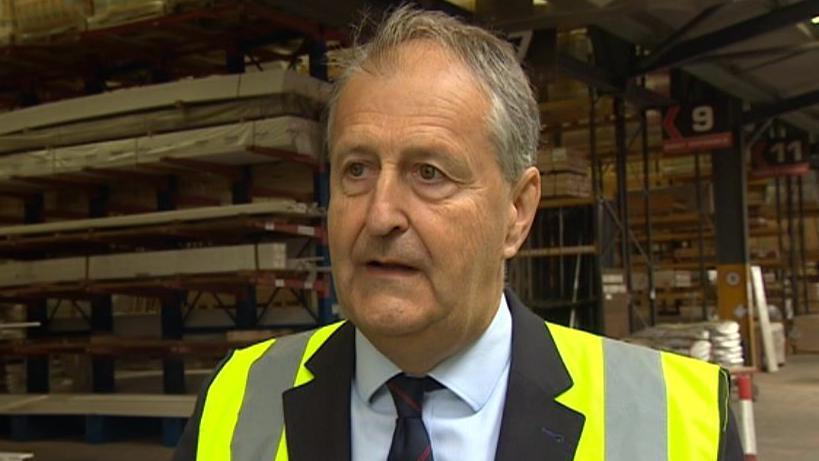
x=233 y=173
x=281 y=154
x=557 y=251
x=282 y=207
x=761 y=305
x=566 y=202
x=143 y=405
x=9 y=456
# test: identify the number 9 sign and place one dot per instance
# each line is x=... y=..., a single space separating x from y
x=702 y=119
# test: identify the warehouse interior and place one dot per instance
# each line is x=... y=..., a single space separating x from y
x=163 y=190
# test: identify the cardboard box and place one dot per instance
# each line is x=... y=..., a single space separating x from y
x=615 y=315
x=805 y=333
x=813 y=292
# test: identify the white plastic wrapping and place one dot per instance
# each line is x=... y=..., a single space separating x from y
x=6 y=22
x=109 y=13
x=130 y=266
x=275 y=206
x=142 y=102
x=229 y=144
x=38 y=18
x=718 y=341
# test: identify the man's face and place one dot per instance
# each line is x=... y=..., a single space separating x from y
x=419 y=210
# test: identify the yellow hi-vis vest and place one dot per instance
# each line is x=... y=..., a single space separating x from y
x=635 y=400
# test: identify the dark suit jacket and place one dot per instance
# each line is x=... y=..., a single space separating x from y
x=534 y=426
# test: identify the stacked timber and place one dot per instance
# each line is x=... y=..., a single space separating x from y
x=664 y=279
x=565 y=173
x=31 y=21
x=6 y=22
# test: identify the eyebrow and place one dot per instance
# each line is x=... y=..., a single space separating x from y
x=457 y=164
x=357 y=148
x=437 y=151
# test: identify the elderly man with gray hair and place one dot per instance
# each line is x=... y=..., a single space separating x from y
x=433 y=133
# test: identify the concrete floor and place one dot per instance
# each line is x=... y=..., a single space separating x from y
x=787 y=411
x=787 y=424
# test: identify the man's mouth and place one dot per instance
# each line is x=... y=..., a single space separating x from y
x=390 y=267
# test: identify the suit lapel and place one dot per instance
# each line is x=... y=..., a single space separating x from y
x=534 y=425
x=317 y=414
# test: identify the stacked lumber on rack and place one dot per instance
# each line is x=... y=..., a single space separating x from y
x=163 y=108
x=229 y=120
x=663 y=279
x=210 y=132
x=189 y=146
x=38 y=20
x=126 y=266
x=565 y=173
x=6 y=22
x=670 y=200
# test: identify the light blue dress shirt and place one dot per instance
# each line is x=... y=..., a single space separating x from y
x=463 y=420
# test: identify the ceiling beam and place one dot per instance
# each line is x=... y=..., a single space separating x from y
x=604 y=81
x=679 y=34
x=757 y=53
x=733 y=34
x=782 y=107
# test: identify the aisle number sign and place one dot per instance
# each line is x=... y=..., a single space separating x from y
x=780 y=157
x=696 y=127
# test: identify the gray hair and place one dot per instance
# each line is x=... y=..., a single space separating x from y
x=514 y=117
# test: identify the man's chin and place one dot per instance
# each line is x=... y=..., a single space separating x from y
x=391 y=317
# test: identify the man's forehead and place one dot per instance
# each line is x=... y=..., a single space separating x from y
x=423 y=79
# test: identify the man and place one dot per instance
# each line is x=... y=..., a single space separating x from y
x=432 y=134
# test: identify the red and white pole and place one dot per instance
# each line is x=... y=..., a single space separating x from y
x=746 y=416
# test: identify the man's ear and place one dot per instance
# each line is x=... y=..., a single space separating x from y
x=522 y=210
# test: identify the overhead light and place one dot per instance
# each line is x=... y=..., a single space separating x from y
x=540 y=2
x=815 y=20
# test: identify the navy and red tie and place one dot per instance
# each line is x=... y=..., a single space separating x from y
x=410 y=441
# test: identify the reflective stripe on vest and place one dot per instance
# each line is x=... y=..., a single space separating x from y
x=240 y=421
x=656 y=406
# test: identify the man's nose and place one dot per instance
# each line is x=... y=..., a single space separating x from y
x=387 y=212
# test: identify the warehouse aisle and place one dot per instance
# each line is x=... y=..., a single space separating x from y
x=787 y=411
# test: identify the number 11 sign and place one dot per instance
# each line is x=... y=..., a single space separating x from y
x=780 y=157
x=695 y=127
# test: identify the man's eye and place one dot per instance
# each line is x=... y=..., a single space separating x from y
x=429 y=172
x=355 y=170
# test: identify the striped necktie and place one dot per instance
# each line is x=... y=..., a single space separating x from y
x=410 y=441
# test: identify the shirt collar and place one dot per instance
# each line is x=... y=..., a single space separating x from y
x=471 y=374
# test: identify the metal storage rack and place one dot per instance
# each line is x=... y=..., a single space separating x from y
x=215 y=37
